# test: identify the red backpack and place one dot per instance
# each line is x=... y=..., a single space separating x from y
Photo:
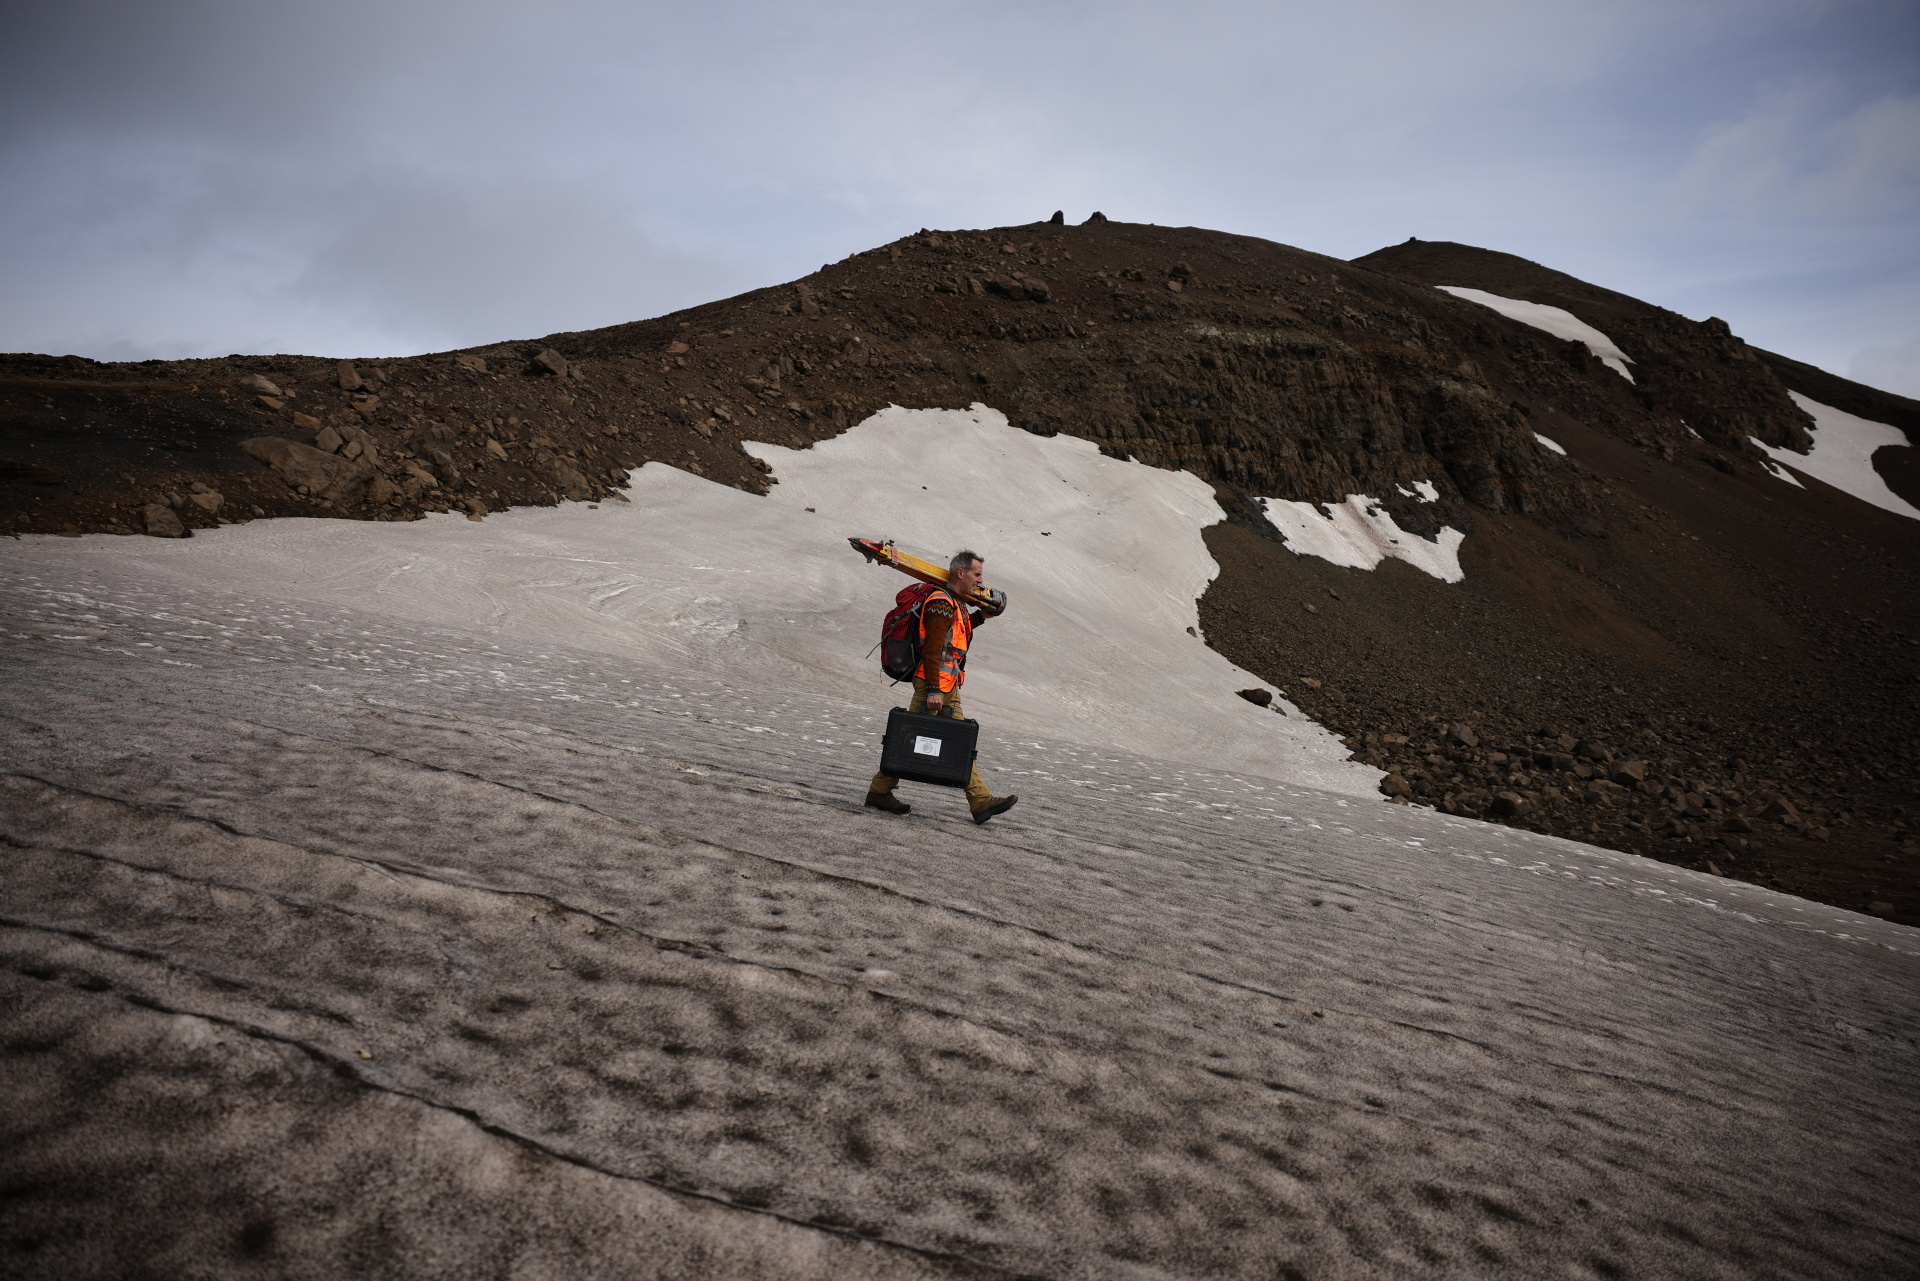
x=904 y=632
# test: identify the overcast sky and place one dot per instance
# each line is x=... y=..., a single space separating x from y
x=197 y=177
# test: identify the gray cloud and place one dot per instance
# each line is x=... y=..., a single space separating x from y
x=215 y=176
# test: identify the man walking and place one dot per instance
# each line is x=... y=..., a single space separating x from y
x=947 y=628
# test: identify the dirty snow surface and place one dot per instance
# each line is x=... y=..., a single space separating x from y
x=338 y=941
x=1557 y=321
x=1842 y=455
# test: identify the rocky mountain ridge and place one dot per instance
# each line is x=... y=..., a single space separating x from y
x=1653 y=593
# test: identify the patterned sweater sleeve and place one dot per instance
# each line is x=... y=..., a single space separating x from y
x=938 y=620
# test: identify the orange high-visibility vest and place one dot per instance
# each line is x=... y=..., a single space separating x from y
x=953 y=660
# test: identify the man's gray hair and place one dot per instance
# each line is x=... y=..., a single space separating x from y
x=962 y=559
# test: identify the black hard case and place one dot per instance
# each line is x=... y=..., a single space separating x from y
x=907 y=732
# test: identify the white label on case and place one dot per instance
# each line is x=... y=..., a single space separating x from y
x=926 y=746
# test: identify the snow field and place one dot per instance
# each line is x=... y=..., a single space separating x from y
x=1557 y=321
x=1102 y=562
x=1842 y=455
x=504 y=943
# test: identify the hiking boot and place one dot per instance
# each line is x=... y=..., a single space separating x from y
x=999 y=805
x=889 y=802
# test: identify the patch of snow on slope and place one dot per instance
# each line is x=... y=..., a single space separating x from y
x=1359 y=533
x=1557 y=321
x=1554 y=445
x=1424 y=490
x=1774 y=469
x=1842 y=454
x=1102 y=562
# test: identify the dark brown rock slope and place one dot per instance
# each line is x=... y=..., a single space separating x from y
x=1740 y=652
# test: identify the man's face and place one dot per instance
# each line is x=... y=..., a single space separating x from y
x=967 y=581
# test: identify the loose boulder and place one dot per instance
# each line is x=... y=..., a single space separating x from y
x=564 y=477
x=162 y=523
x=421 y=477
x=321 y=473
x=349 y=440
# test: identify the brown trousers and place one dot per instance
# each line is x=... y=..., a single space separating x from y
x=978 y=794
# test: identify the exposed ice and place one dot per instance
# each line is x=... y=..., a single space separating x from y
x=1557 y=321
x=1359 y=533
x=1102 y=561
x=1554 y=445
x=1842 y=454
